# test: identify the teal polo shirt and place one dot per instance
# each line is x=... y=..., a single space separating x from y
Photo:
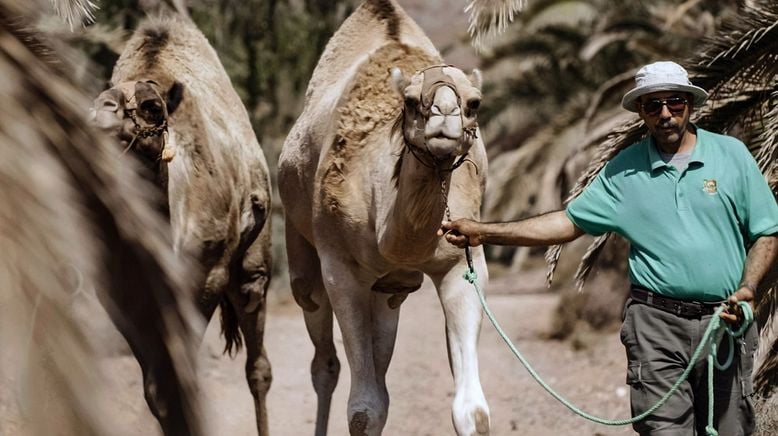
x=688 y=231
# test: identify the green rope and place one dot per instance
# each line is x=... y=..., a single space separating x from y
x=711 y=337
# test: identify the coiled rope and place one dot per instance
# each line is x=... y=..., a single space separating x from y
x=711 y=338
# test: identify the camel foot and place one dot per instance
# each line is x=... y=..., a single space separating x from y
x=481 y=422
x=358 y=424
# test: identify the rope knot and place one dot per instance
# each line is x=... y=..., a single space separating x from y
x=471 y=276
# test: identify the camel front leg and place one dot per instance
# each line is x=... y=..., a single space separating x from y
x=462 y=310
x=352 y=302
x=309 y=293
x=258 y=370
x=249 y=307
x=385 y=316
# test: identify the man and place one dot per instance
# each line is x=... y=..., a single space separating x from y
x=702 y=226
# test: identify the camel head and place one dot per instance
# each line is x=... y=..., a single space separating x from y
x=136 y=113
x=440 y=110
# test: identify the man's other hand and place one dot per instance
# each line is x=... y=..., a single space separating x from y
x=733 y=314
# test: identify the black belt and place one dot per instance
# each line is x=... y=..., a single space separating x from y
x=685 y=309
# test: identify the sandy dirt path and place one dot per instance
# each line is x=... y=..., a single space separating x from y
x=419 y=381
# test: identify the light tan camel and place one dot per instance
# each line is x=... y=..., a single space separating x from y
x=173 y=106
x=366 y=177
x=69 y=207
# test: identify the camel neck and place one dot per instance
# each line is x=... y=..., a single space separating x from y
x=155 y=171
x=418 y=208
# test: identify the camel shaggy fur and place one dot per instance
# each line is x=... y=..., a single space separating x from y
x=173 y=106
x=366 y=176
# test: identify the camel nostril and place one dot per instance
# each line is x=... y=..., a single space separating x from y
x=110 y=105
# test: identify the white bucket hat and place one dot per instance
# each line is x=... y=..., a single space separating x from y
x=662 y=76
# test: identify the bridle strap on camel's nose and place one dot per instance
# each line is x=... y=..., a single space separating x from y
x=434 y=78
x=131 y=108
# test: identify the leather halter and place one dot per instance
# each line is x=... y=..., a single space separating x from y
x=435 y=78
x=131 y=108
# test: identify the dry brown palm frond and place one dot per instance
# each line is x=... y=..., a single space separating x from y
x=766 y=376
x=70 y=202
x=767 y=156
x=621 y=137
x=490 y=17
x=586 y=265
x=610 y=86
x=679 y=12
x=746 y=44
x=75 y=11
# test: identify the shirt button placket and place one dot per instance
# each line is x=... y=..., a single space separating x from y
x=680 y=198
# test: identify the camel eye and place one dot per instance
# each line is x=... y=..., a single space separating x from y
x=151 y=107
x=473 y=104
x=411 y=102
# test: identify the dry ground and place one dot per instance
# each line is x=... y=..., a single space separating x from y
x=419 y=380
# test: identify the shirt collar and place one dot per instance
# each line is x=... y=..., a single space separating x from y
x=698 y=153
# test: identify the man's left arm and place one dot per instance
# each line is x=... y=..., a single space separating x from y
x=761 y=258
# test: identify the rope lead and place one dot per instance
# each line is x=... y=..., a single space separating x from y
x=714 y=332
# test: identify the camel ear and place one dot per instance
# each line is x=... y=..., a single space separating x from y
x=476 y=79
x=174 y=96
x=399 y=82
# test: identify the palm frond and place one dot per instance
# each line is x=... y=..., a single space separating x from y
x=679 y=12
x=553 y=253
x=75 y=11
x=767 y=301
x=746 y=44
x=629 y=133
x=767 y=156
x=621 y=137
x=588 y=260
x=766 y=376
x=607 y=88
x=600 y=41
x=488 y=18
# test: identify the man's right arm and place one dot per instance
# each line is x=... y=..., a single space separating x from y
x=542 y=230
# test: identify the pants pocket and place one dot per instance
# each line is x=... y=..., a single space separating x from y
x=747 y=346
x=633 y=375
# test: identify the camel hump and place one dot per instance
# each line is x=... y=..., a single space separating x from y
x=371 y=102
x=374 y=24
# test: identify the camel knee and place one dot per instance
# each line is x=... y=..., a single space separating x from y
x=259 y=377
x=325 y=370
x=302 y=291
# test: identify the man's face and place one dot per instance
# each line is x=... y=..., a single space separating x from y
x=666 y=114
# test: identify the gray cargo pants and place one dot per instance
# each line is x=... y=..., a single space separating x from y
x=659 y=346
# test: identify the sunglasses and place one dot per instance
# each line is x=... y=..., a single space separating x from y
x=674 y=104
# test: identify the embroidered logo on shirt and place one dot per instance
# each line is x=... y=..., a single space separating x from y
x=709 y=186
